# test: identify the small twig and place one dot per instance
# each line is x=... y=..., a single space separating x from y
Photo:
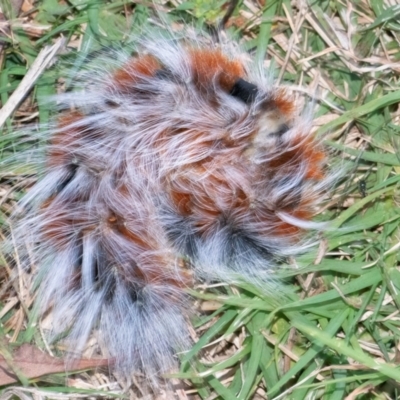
x=42 y=61
x=228 y=14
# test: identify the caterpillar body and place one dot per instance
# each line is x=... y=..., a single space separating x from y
x=181 y=163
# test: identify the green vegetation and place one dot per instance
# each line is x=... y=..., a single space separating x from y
x=335 y=332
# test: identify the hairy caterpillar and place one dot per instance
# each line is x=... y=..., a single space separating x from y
x=180 y=163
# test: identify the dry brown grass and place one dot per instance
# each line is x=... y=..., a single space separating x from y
x=336 y=335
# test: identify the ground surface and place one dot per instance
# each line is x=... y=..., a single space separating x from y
x=337 y=335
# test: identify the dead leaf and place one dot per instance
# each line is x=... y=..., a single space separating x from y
x=31 y=362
